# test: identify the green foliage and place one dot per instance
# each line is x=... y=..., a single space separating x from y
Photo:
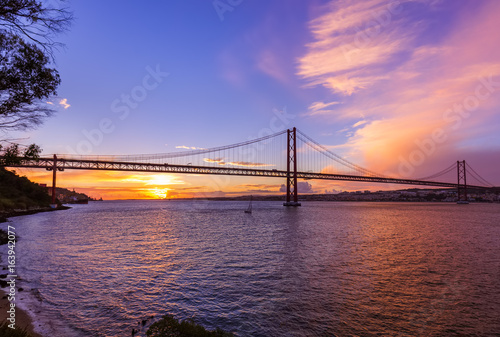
x=32 y=151
x=26 y=52
x=20 y=193
x=5 y=331
x=168 y=326
x=12 y=155
x=25 y=81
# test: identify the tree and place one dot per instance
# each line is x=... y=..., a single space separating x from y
x=27 y=28
x=13 y=155
x=25 y=80
x=36 y=21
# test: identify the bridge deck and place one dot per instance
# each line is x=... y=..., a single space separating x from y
x=77 y=164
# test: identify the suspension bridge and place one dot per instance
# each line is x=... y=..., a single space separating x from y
x=289 y=154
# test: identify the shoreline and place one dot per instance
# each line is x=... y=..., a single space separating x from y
x=4 y=216
x=24 y=319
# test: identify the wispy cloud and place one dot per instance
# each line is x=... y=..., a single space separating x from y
x=268 y=63
x=215 y=160
x=231 y=68
x=64 y=103
x=248 y=164
x=258 y=186
x=189 y=147
x=318 y=108
x=354 y=40
x=355 y=125
x=222 y=162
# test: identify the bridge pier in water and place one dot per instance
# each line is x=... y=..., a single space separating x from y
x=291 y=177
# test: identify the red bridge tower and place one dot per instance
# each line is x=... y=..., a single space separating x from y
x=291 y=176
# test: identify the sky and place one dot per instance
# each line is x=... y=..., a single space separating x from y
x=404 y=88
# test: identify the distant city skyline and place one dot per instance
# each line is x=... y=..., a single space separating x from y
x=404 y=88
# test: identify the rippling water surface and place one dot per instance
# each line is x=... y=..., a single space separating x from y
x=319 y=270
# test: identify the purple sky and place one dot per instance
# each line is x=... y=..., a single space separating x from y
x=400 y=87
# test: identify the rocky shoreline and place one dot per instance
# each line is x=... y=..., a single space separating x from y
x=4 y=215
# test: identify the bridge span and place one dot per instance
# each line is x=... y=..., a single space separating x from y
x=221 y=166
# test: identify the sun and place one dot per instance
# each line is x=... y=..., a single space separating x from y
x=159 y=193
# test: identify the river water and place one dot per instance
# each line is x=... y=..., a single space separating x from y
x=322 y=269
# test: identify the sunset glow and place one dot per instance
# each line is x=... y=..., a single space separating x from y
x=250 y=167
x=159 y=193
x=401 y=88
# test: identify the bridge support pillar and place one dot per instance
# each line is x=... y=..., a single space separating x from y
x=54 y=170
x=291 y=176
x=461 y=183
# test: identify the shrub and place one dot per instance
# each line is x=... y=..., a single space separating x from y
x=168 y=326
x=20 y=193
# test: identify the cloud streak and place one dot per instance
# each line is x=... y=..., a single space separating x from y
x=222 y=162
x=63 y=102
x=353 y=42
x=189 y=147
x=319 y=108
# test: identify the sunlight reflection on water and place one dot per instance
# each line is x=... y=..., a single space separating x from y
x=322 y=269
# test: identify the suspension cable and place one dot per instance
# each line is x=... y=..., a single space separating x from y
x=336 y=157
x=135 y=157
x=440 y=173
x=479 y=178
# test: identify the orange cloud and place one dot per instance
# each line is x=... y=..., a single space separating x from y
x=352 y=36
x=426 y=106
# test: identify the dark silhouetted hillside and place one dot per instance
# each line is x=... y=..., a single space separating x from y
x=19 y=193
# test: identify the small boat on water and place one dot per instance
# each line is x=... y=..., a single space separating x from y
x=249 y=209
